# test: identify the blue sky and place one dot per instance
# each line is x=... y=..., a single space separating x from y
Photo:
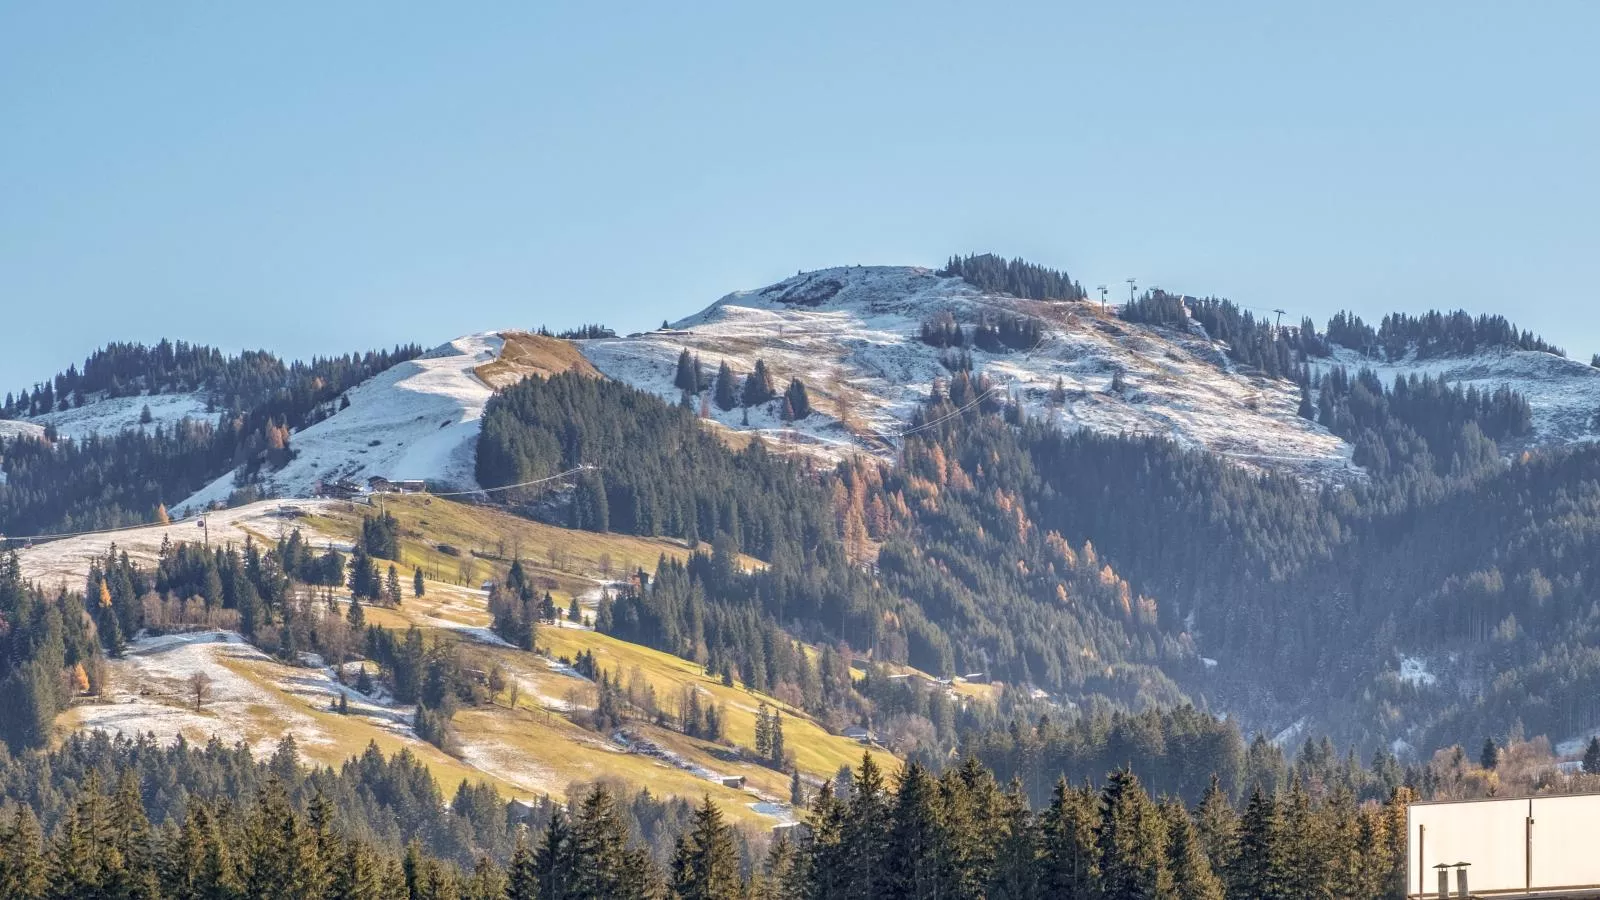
x=312 y=178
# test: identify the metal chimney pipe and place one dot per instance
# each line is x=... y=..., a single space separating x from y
x=1461 y=880
x=1444 y=881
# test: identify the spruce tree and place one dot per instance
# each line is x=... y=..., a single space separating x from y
x=418 y=588
x=1489 y=758
x=1591 y=757
x=727 y=394
x=827 y=867
x=23 y=870
x=1016 y=864
x=776 y=750
x=1133 y=841
x=522 y=881
x=131 y=868
x=1192 y=875
x=1217 y=827
x=799 y=402
x=705 y=865
x=684 y=379
x=1068 y=842
x=763 y=732
x=391 y=587
x=918 y=854
x=1260 y=868
x=757 y=388
x=607 y=868
x=865 y=833
x=554 y=862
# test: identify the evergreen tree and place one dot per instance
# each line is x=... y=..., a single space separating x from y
x=391 y=586
x=919 y=850
x=763 y=732
x=23 y=869
x=418 y=588
x=1192 y=875
x=1261 y=869
x=554 y=864
x=522 y=880
x=798 y=402
x=864 y=835
x=1591 y=757
x=1489 y=758
x=685 y=380
x=1017 y=863
x=727 y=392
x=609 y=869
x=706 y=863
x=1217 y=827
x=758 y=387
x=1133 y=842
x=1069 y=843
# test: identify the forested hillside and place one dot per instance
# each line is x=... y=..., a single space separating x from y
x=53 y=484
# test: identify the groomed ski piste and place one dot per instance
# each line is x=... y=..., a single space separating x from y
x=417 y=420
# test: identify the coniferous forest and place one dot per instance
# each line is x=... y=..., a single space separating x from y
x=106 y=481
x=1085 y=572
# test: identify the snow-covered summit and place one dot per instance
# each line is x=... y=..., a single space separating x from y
x=852 y=335
x=865 y=290
x=416 y=420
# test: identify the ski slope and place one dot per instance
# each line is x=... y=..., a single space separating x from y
x=417 y=420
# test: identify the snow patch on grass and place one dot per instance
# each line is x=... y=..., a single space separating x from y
x=151 y=694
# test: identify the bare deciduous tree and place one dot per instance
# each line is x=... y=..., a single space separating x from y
x=200 y=688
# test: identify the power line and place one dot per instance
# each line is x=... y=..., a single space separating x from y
x=586 y=466
x=52 y=537
x=1043 y=331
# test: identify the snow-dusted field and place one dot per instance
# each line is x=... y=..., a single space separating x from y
x=111 y=416
x=419 y=419
x=1564 y=393
x=11 y=428
x=150 y=694
x=66 y=561
x=851 y=335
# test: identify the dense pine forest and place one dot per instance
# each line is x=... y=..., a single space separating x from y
x=999 y=545
x=116 y=818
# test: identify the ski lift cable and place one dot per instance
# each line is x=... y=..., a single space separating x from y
x=973 y=403
x=506 y=487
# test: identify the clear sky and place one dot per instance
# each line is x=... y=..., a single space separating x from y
x=315 y=177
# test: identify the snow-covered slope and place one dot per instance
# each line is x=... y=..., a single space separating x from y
x=1563 y=393
x=416 y=420
x=851 y=335
x=11 y=428
x=113 y=415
